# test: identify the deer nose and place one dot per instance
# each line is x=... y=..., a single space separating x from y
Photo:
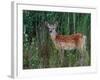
x=50 y=31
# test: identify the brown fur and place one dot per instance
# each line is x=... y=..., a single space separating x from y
x=69 y=38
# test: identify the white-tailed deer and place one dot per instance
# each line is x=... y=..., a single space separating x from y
x=66 y=42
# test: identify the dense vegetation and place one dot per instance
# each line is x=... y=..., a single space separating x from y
x=38 y=48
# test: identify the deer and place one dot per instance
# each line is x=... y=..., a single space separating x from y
x=66 y=42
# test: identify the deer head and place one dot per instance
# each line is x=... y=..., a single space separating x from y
x=52 y=28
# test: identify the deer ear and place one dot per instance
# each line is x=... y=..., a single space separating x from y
x=47 y=24
x=56 y=24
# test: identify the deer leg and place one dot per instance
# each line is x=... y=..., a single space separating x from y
x=81 y=58
x=84 y=57
x=61 y=55
x=80 y=61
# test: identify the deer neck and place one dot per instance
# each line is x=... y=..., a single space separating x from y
x=53 y=35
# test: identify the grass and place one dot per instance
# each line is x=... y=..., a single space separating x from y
x=38 y=48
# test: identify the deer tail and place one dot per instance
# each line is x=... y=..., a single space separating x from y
x=84 y=41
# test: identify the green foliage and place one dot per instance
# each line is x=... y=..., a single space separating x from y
x=38 y=48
